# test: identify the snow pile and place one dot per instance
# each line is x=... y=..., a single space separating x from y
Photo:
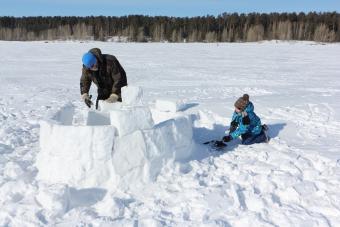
x=54 y=198
x=118 y=146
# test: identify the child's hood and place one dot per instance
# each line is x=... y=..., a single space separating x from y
x=249 y=108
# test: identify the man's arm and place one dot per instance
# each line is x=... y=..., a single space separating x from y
x=85 y=82
x=119 y=78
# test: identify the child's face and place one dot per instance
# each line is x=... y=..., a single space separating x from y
x=237 y=110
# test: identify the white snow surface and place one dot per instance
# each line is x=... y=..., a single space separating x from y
x=293 y=180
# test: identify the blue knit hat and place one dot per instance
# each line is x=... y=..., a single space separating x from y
x=89 y=60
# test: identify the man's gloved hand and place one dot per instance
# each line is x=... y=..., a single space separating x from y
x=113 y=98
x=233 y=126
x=227 y=139
x=87 y=99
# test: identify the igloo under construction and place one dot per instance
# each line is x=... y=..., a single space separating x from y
x=118 y=146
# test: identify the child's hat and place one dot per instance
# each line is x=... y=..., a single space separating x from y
x=242 y=102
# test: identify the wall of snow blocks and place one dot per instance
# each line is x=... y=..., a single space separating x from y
x=79 y=156
x=118 y=147
x=139 y=156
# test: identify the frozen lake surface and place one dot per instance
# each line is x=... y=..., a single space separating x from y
x=293 y=180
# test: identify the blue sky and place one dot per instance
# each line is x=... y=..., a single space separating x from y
x=159 y=7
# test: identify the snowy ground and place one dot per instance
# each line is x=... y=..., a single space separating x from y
x=292 y=181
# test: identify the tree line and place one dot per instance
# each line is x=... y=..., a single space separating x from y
x=322 y=27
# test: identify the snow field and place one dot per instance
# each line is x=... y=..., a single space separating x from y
x=293 y=180
x=242 y=190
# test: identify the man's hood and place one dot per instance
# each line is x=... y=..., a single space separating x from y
x=98 y=53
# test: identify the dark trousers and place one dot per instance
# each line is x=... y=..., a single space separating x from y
x=251 y=139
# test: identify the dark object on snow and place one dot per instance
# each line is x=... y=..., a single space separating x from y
x=97 y=100
x=219 y=144
x=227 y=139
x=216 y=143
x=208 y=142
x=265 y=127
x=109 y=78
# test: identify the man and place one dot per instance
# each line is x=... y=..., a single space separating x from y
x=106 y=72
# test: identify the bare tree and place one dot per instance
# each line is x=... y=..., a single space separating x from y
x=323 y=34
x=255 y=33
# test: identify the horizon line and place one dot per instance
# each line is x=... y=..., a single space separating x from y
x=205 y=15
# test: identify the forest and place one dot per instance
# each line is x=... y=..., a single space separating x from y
x=227 y=27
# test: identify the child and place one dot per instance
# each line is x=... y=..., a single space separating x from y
x=246 y=123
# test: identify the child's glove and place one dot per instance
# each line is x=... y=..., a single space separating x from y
x=227 y=139
x=246 y=120
x=233 y=126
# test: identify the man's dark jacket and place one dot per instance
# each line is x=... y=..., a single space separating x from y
x=109 y=78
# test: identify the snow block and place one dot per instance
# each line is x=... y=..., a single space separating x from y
x=79 y=156
x=179 y=135
x=131 y=119
x=106 y=107
x=183 y=137
x=97 y=118
x=65 y=115
x=132 y=96
x=169 y=105
x=138 y=157
x=129 y=159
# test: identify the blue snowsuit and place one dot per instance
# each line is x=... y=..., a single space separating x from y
x=249 y=127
